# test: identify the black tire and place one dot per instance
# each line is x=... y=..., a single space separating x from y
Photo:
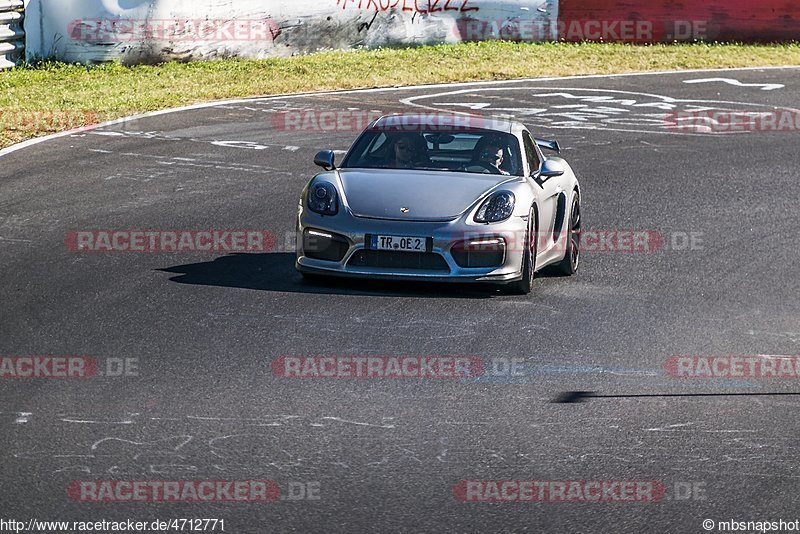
x=572 y=257
x=525 y=285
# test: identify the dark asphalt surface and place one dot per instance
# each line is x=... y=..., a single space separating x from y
x=205 y=327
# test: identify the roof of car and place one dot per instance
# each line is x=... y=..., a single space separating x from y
x=414 y=122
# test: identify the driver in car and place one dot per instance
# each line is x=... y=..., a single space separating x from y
x=405 y=152
x=493 y=155
x=489 y=156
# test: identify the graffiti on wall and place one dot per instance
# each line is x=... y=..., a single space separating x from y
x=136 y=31
x=410 y=6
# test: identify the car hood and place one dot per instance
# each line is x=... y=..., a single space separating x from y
x=427 y=195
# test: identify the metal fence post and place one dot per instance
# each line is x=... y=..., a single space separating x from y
x=12 y=34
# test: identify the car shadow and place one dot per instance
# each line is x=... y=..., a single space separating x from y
x=276 y=272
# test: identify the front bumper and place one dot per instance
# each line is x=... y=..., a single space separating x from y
x=445 y=240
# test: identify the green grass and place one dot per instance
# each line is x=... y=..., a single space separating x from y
x=41 y=99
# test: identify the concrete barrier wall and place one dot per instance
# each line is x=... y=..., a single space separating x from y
x=91 y=31
x=135 y=31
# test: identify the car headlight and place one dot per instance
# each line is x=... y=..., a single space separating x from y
x=322 y=199
x=496 y=208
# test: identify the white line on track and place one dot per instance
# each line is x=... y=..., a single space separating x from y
x=205 y=105
x=412 y=101
x=732 y=81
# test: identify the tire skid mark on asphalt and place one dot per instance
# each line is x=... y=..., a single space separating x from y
x=129 y=454
x=794 y=337
x=14 y=241
x=348 y=422
x=256 y=453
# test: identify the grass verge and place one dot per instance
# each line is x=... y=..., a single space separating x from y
x=50 y=97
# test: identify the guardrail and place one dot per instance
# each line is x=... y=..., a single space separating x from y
x=12 y=33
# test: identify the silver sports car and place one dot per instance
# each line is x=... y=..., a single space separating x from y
x=441 y=198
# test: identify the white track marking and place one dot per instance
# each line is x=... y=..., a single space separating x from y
x=206 y=105
x=582 y=118
x=240 y=144
x=468 y=105
x=732 y=81
x=22 y=418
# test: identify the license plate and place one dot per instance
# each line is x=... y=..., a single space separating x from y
x=399 y=243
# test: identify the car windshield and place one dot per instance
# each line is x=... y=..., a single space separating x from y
x=475 y=151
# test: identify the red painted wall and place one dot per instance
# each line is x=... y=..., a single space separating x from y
x=720 y=20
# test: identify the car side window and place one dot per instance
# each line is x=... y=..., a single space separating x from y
x=530 y=152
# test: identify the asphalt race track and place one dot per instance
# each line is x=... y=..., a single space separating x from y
x=200 y=330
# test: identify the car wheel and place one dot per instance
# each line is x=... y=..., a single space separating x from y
x=525 y=285
x=572 y=256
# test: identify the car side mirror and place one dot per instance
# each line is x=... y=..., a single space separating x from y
x=551 y=168
x=325 y=159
